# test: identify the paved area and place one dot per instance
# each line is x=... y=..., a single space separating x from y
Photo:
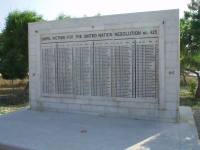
x=196 y=113
x=62 y=131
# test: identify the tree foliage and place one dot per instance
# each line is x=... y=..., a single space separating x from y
x=14 y=51
x=1 y=47
x=62 y=17
x=190 y=41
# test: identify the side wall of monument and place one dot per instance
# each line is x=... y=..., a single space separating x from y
x=124 y=65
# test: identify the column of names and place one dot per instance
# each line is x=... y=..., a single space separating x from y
x=126 y=68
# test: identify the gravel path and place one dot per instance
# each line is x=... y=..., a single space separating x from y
x=196 y=113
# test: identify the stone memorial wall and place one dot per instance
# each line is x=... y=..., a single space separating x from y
x=102 y=66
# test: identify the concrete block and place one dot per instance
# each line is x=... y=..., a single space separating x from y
x=78 y=62
x=74 y=107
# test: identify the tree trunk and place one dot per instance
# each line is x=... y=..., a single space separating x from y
x=26 y=89
x=184 y=79
x=197 y=95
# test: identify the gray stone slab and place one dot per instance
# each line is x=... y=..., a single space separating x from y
x=35 y=130
x=83 y=64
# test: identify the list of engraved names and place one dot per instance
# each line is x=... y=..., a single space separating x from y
x=110 y=63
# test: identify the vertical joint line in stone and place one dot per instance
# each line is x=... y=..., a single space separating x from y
x=115 y=67
x=155 y=70
x=145 y=48
x=56 y=82
x=72 y=49
x=131 y=46
x=42 y=68
x=58 y=70
x=54 y=50
x=63 y=66
x=135 y=68
x=93 y=93
x=80 y=54
x=59 y=73
x=120 y=72
x=47 y=71
x=111 y=70
x=141 y=73
x=99 y=65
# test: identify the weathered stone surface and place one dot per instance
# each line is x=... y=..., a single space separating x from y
x=104 y=60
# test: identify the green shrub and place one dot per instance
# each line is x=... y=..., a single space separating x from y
x=183 y=82
x=192 y=87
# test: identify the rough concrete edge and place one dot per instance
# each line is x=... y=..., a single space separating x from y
x=4 y=146
x=104 y=16
x=186 y=116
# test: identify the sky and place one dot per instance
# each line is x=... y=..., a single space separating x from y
x=50 y=9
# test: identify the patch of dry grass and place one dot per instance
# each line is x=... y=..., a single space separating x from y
x=7 y=91
x=6 y=87
x=16 y=83
x=13 y=97
x=8 y=109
